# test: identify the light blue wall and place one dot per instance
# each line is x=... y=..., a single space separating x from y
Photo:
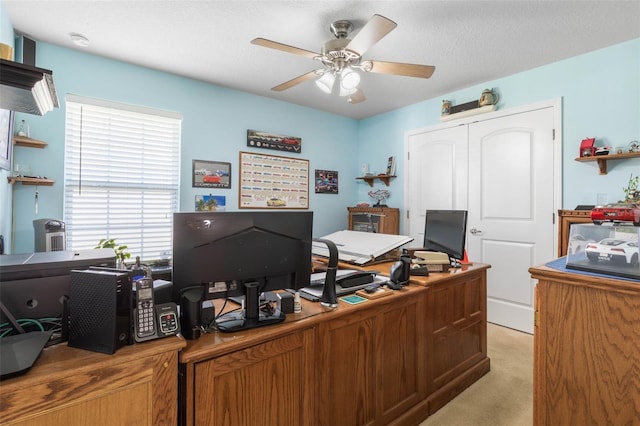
x=6 y=37
x=600 y=93
x=215 y=126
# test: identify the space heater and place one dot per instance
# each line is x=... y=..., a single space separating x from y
x=50 y=235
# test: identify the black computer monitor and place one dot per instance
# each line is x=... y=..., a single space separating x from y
x=445 y=232
x=35 y=285
x=242 y=253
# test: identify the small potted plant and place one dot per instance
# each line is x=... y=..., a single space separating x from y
x=121 y=253
x=631 y=192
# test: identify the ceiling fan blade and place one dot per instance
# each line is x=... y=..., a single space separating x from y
x=295 y=81
x=356 y=97
x=408 y=70
x=283 y=47
x=374 y=30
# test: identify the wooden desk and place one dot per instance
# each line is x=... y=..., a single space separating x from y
x=586 y=349
x=392 y=360
x=137 y=385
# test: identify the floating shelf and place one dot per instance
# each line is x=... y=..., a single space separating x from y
x=28 y=142
x=602 y=159
x=30 y=181
x=468 y=113
x=370 y=179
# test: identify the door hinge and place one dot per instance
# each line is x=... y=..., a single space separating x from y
x=408 y=156
x=554 y=134
x=536 y=318
x=553 y=218
x=407 y=214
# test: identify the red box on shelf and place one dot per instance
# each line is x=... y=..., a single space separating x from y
x=587 y=148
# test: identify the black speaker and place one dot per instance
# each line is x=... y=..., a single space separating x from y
x=191 y=311
x=100 y=310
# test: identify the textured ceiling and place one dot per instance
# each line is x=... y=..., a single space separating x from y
x=469 y=42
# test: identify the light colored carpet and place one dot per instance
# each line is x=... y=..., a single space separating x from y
x=504 y=396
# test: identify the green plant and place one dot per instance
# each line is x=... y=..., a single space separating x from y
x=121 y=254
x=631 y=191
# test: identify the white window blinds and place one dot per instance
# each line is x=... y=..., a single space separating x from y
x=121 y=176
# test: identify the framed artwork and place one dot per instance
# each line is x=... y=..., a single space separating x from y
x=211 y=174
x=266 y=140
x=6 y=136
x=211 y=203
x=273 y=182
x=326 y=182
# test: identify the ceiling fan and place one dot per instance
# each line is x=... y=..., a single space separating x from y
x=342 y=58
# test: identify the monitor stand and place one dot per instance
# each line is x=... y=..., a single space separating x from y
x=251 y=316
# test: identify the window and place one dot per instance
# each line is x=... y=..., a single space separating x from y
x=121 y=177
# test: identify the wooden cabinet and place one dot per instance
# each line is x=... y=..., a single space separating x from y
x=376 y=360
x=566 y=218
x=586 y=355
x=388 y=361
x=268 y=383
x=67 y=386
x=382 y=220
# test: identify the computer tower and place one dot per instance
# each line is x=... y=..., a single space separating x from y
x=100 y=310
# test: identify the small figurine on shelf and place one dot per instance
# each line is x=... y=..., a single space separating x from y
x=23 y=129
x=379 y=195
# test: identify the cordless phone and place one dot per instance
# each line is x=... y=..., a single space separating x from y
x=145 y=322
x=150 y=320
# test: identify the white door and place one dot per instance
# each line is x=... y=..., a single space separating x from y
x=511 y=209
x=504 y=168
x=437 y=175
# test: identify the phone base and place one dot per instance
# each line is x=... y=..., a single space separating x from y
x=236 y=321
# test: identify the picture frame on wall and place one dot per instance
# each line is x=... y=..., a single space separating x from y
x=211 y=203
x=273 y=182
x=326 y=182
x=211 y=174
x=6 y=138
x=268 y=140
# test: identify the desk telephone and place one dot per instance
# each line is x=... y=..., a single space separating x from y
x=152 y=321
x=430 y=261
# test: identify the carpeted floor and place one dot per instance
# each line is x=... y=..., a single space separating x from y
x=504 y=396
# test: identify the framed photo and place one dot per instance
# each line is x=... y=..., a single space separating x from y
x=266 y=140
x=326 y=182
x=211 y=174
x=211 y=203
x=6 y=136
x=273 y=182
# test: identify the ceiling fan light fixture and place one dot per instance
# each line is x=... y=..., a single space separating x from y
x=347 y=92
x=325 y=83
x=349 y=79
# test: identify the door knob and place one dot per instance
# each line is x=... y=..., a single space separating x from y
x=474 y=231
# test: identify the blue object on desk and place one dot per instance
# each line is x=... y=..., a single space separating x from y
x=561 y=265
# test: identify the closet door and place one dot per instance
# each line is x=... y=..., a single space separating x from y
x=504 y=168
x=511 y=209
x=437 y=175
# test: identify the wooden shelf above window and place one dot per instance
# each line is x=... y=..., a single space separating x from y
x=30 y=181
x=602 y=159
x=28 y=142
x=370 y=179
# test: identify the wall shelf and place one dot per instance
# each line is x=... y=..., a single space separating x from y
x=602 y=159
x=370 y=179
x=30 y=180
x=28 y=142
